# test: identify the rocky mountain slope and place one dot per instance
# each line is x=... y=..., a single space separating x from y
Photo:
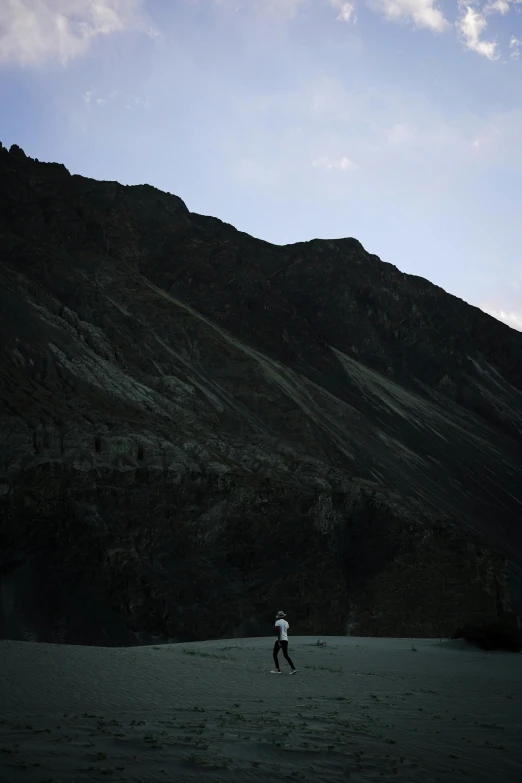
x=197 y=427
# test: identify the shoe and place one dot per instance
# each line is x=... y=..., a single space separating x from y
x=293 y=671
x=275 y=671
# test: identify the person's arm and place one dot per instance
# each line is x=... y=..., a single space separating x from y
x=278 y=631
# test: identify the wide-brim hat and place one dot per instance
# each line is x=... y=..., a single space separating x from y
x=280 y=614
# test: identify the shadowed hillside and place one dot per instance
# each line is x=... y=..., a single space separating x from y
x=197 y=426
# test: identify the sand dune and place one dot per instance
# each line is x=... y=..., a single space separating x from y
x=359 y=709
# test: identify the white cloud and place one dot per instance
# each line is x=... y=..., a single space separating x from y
x=497 y=7
x=347 y=10
x=117 y=97
x=341 y=164
x=107 y=98
x=510 y=318
x=515 y=45
x=471 y=26
x=33 y=32
x=423 y=13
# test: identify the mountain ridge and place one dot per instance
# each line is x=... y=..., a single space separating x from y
x=155 y=351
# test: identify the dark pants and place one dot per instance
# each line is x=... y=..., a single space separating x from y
x=282 y=645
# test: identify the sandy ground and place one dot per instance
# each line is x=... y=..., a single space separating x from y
x=358 y=709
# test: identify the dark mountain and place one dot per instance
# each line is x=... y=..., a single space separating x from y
x=197 y=427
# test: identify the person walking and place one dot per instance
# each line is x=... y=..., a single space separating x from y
x=282 y=627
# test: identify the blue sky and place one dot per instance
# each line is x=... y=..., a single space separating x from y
x=398 y=122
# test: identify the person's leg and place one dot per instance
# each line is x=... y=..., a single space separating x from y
x=277 y=647
x=284 y=645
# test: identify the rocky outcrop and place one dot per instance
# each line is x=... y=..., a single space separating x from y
x=197 y=427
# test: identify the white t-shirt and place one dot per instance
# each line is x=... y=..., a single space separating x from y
x=284 y=626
